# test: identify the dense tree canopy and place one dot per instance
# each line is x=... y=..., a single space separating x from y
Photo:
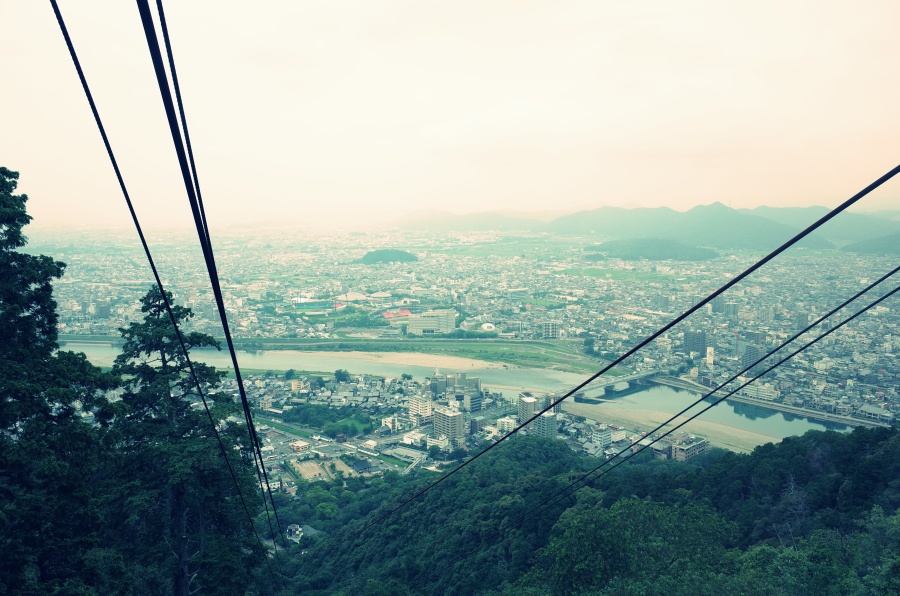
x=50 y=455
x=178 y=502
x=776 y=521
x=116 y=484
x=101 y=495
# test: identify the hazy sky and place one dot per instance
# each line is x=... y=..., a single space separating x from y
x=359 y=111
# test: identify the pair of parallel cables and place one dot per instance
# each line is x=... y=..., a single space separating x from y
x=665 y=328
x=617 y=459
x=192 y=186
x=188 y=169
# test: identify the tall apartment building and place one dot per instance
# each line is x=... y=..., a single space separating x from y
x=450 y=424
x=550 y=330
x=718 y=304
x=695 y=341
x=751 y=354
x=602 y=436
x=528 y=407
x=473 y=402
x=546 y=425
x=420 y=409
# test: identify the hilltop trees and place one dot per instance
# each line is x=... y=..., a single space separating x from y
x=103 y=496
x=178 y=505
x=50 y=458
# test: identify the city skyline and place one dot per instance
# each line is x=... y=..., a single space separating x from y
x=362 y=114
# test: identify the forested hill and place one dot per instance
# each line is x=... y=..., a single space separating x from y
x=815 y=514
x=652 y=249
x=387 y=255
x=112 y=482
x=882 y=245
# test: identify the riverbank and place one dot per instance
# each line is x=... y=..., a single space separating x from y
x=560 y=355
x=774 y=406
x=437 y=361
x=719 y=435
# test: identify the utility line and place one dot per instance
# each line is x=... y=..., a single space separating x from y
x=734 y=281
x=156 y=276
x=196 y=181
x=206 y=245
x=587 y=478
x=184 y=126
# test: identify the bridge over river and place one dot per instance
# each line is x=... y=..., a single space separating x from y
x=604 y=384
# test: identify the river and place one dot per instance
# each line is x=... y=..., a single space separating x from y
x=506 y=380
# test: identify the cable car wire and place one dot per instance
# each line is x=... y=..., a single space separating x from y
x=734 y=281
x=202 y=210
x=65 y=32
x=588 y=478
x=206 y=244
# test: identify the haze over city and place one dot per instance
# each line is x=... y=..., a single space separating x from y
x=506 y=298
x=359 y=113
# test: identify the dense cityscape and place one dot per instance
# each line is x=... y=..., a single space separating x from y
x=517 y=294
x=374 y=372
x=450 y=298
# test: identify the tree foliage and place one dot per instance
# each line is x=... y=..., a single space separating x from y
x=101 y=495
x=776 y=521
x=50 y=455
x=178 y=503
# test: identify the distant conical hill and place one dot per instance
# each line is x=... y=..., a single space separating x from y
x=387 y=255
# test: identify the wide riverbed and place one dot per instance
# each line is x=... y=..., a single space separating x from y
x=643 y=409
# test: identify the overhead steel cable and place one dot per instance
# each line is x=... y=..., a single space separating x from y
x=196 y=182
x=156 y=276
x=734 y=281
x=737 y=375
x=263 y=479
x=205 y=242
x=588 y=477
x=187 y=135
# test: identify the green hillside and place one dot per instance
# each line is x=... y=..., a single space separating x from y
x=387 y=255
x=652 y=249
x=815 y=514
x=884 y=245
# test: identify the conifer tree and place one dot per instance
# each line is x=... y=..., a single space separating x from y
x=179 y=504
x=51 y=454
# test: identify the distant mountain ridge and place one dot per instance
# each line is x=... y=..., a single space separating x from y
x=715 y=226
x=846 y=227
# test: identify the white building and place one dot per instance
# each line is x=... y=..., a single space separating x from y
x=602 y=436
x=763 y=392
x=528 y=407
x=421 y=409
x=506 y=424
x=450 y=424
x=546 y=425
x=432 y=322
x=414 y=438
